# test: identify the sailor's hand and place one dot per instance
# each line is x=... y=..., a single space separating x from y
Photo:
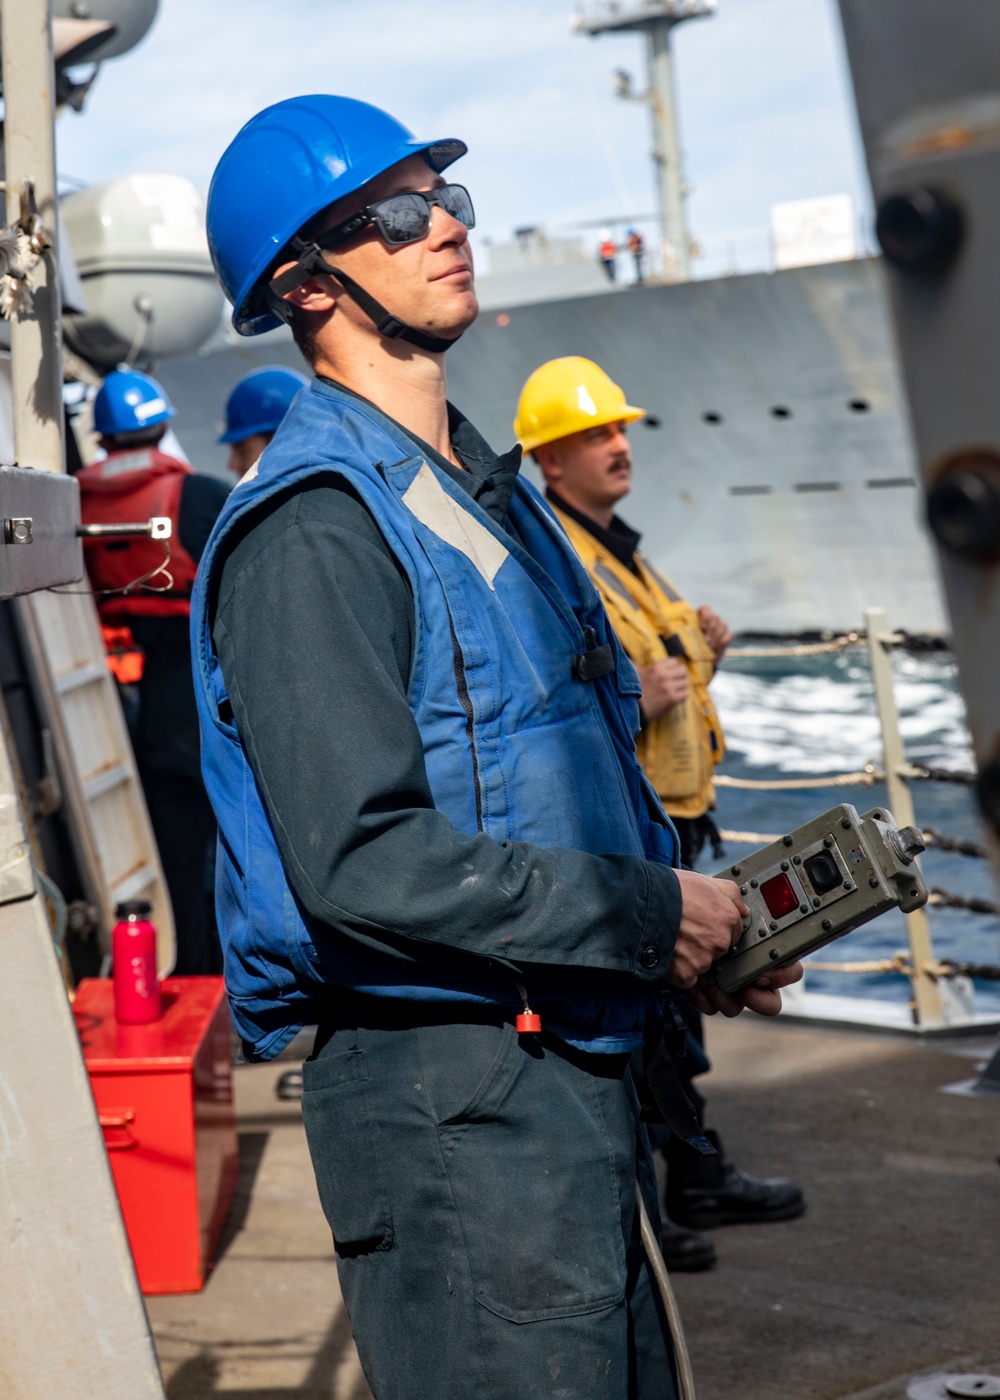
x=664 y=685
x=716 y=632
x=712 y=914
x=762 y=996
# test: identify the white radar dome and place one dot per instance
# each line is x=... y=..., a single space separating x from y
x=140 y=247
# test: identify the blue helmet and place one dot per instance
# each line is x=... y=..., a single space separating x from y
x=287 y=164
x=128 y=402
x=260 y=401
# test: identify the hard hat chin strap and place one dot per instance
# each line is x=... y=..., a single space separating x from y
x=311 y=262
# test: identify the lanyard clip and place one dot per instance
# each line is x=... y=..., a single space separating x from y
x=528 y=1022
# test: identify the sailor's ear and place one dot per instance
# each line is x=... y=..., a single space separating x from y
x=548 y=458
x=318 y=294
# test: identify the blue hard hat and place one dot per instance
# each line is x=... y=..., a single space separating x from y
x=260 y=401
x=128 y=402
x=287 y=164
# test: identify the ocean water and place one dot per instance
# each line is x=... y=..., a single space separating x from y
x=805 y=716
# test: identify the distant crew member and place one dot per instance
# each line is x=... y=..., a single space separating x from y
x=135 y=481
x=608 y=254
x=254 y=411
x=573 y=419
x=636 y=245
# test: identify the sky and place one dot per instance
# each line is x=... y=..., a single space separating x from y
x=764 y=99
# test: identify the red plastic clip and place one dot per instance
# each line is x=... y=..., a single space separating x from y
x=528 y=1022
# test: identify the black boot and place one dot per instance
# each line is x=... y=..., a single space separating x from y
x=685 y=1251
x=703 y=1192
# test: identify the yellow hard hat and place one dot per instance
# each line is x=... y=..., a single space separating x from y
x=565 y=396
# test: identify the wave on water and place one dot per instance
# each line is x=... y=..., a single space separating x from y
x=823 y=719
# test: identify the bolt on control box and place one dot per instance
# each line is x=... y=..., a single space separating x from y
x=825 y=879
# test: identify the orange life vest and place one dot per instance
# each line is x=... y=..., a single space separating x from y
x=133 y=486
x=125 y=657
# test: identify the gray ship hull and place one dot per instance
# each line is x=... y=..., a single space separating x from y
x=780 y=483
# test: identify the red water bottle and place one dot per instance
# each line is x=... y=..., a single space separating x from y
x=133 y=964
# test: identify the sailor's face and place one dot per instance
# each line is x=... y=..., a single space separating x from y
x=242 y=455
x=428 y=283
x=595 y=464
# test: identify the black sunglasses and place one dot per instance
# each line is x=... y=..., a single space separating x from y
x=404 y=218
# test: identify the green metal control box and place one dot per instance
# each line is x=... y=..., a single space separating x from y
x=825 y=879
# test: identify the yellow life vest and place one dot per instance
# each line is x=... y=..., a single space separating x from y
x=678 y=751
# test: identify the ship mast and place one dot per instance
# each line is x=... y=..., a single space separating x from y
x=656 y=19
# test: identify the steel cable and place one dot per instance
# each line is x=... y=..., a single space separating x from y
x=656 y=1262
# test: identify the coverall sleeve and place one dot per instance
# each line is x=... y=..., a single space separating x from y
x=314 y=631
x=202 y=497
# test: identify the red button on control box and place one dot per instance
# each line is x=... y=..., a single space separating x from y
x=779 y=896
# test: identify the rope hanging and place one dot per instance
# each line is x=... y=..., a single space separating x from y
x=834 y=644
x=865 y=777
x=900 y=963
x=794 y=649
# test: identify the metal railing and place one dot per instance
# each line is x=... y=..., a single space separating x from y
x=919 y=964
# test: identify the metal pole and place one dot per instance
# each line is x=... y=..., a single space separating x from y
x=29 y=147
x=73 y=1321
x=924 y=75
x=666 y=148
x=926 y=1002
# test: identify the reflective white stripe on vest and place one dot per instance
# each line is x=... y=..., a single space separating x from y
x=433 y=507
x=665 y=584
x=120 y=463
x=602 y=572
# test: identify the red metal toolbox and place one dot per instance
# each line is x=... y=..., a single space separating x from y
x=164 y=1093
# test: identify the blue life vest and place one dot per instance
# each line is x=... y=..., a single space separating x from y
x=517 y=743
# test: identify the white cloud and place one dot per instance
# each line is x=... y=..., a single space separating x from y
x=764 y=98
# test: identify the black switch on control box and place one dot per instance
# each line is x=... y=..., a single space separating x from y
x=823 y=871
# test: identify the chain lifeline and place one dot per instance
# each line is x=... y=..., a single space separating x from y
x=933 y=839
x=947 y=900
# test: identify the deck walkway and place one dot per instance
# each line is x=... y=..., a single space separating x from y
x=894 y=1270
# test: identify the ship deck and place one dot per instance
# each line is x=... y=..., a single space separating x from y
x=893 y=1270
